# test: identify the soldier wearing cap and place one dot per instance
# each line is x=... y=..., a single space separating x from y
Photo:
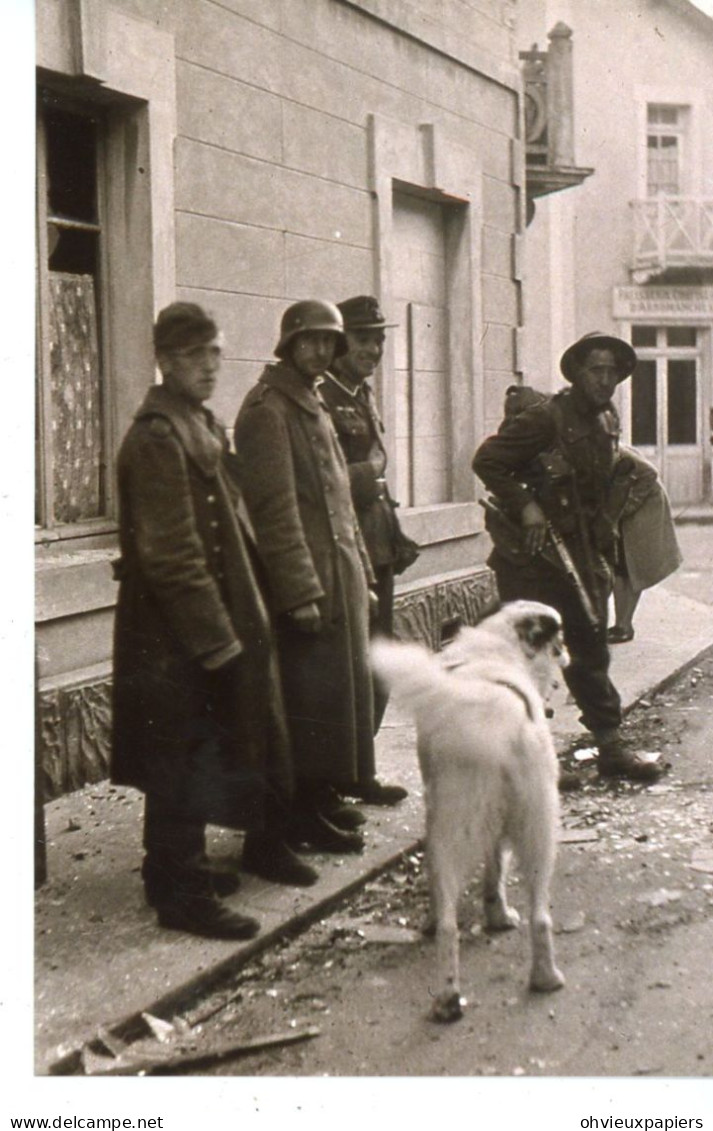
x=296 y=487
x=198 y=722
x=558 y=462
x=352 y=404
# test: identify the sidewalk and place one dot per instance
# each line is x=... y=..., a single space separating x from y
x=100 y=959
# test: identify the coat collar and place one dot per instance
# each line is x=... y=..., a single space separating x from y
x=287 y=380
x=350 y=390
x=196 y=427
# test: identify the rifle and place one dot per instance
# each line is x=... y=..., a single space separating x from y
x=573 y=574
x=559 y=555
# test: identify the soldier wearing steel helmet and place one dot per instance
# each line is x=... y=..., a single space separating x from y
x=296 y=486
x=555 y=466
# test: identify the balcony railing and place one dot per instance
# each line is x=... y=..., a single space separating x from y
x=672 y=231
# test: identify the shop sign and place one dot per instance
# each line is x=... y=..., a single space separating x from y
x=658 y=302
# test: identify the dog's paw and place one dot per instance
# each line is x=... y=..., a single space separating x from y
x=545 y=980
x=449 y=1007
x=501 y=918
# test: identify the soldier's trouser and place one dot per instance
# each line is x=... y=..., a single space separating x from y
x=382 y=625
x=587 y=676
x=174 y=847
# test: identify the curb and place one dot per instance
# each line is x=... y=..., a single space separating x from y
x=132 y=1026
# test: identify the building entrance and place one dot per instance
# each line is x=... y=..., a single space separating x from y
x=667 y=410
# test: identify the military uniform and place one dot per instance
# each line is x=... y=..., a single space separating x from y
x=198 y=723
x=562 y=455
x=359 y=428
x=297 y=490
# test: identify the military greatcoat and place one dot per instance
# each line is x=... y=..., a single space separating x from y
x=296 y=486
x=197 y=709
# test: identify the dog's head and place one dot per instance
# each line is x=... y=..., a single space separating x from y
x=538 y=631
x=537 y=626
x=533 y=627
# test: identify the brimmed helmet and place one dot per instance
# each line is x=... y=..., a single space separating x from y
x=625 y=357
x=312 y=314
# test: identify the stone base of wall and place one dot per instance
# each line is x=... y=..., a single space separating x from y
x=75 y=717
x=74 y=731
x=428 y=611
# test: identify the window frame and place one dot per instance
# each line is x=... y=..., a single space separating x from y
x=660 y=355
x=47 y=527
x=680 y=131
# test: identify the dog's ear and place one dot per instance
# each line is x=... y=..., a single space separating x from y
x=536 y=631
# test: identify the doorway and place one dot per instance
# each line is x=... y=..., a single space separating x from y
x=667 y=410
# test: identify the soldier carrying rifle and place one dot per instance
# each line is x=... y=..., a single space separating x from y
x=560 y=485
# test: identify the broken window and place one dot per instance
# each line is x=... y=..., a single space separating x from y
x=71 y=427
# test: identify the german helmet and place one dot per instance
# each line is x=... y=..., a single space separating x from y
x=311 y=314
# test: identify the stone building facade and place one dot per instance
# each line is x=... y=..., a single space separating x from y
x=631 y=250
x=246 y=154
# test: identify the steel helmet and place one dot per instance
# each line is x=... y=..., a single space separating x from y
x=624 y=355
x=312 y=314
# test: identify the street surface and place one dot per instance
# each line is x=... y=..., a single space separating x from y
x=632 y=904
x=633 y=912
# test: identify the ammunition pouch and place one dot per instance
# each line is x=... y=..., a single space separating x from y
x=556 y=490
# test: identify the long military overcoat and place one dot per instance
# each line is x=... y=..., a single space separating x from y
x=296 y=486
x=211 y=741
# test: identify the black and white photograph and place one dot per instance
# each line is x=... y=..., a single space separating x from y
x=359 y=651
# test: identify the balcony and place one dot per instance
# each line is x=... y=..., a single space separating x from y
x=549 y=118
x=671 y=231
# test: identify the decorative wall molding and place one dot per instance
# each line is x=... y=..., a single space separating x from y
x=423 y=613
x=75 y=734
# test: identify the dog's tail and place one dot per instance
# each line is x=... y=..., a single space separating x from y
x=412 y=672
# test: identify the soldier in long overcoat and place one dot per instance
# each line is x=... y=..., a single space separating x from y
x=296 y=486
x=198 y=721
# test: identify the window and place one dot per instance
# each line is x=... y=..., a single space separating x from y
x=643 y=404
x=71 y=480
x=665 y=137
x=665 y=386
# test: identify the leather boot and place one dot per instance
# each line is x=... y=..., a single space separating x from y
x=616 y=761
x=311 y=828
x=271 y=858
x=338 y=812
x=192 y=906
x=375 y=792
x=157 y=881
x=206 y=916
x=308 y=825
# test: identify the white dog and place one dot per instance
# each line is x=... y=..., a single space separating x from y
x=490 y=774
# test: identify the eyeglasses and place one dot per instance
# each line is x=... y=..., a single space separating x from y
x=199 y=353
